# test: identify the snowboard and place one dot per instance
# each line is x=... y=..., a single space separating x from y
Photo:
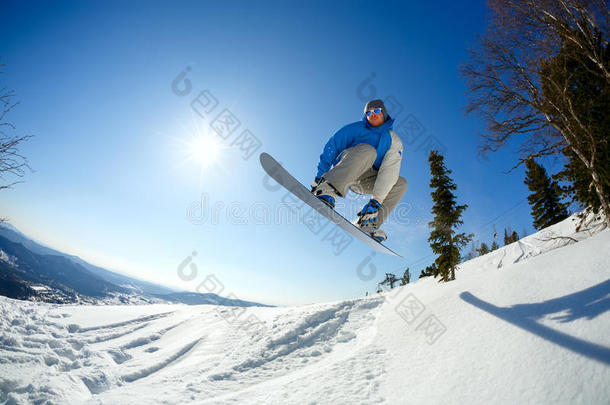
x=281 y=175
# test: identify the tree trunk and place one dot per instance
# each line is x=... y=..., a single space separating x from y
x=597 y=184
x=589 y=164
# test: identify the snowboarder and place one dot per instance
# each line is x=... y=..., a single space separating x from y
x=364 y=156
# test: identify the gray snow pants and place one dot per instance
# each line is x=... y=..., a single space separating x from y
x=355 y=171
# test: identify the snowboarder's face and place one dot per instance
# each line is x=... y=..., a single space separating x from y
x=375 y=119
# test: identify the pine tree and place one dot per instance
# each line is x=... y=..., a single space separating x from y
x=429 y=271
x=406 y=277
x=494 y=246
x=443 y=239
x=510 y=236
x=483 y=250
x=547 y=209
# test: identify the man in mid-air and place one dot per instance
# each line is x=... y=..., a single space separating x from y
x=364 y=156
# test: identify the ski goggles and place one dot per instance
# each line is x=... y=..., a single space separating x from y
x=376 y=111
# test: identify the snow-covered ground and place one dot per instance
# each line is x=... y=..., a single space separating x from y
x=529 y=323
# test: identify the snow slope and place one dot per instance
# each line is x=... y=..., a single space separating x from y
x=528 y=323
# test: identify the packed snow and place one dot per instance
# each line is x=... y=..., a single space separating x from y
x=528 y=323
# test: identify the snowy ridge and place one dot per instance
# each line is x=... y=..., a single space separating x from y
x=528 y=323
x=548 y=239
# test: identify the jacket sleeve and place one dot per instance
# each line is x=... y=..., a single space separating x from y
x=335 y=145
x=389 y=170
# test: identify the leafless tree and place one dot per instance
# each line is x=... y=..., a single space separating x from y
x=505 y=76
x=12 y=163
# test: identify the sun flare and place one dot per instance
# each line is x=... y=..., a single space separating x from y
x=205 y=150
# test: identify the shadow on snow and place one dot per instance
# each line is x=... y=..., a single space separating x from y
x=588 y=304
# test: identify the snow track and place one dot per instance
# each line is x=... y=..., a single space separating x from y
x=198 y=349
x=145 y=372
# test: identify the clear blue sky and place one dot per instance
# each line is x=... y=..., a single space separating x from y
x=114 y=176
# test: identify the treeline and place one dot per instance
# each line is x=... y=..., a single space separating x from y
x=482 y=248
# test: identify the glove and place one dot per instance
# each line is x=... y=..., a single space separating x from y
x=368 y=215
x=316 y=183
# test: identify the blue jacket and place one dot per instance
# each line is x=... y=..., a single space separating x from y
x=353 y=134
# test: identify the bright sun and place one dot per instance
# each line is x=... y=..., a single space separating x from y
x=205 y=150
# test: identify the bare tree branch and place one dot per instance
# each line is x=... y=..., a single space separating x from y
x=513 y=90
x=12 y=162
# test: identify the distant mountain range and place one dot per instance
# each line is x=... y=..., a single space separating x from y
x=31 y=271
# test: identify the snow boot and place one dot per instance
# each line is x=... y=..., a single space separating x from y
x=326 y=193
x=376 y=233
x=379 y=235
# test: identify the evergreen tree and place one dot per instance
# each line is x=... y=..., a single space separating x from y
x=483 y=250
x=510 y=236
x=494 y=246
x=547 y=209
x=443 y=239
x=406 y=277
x=429 y=271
